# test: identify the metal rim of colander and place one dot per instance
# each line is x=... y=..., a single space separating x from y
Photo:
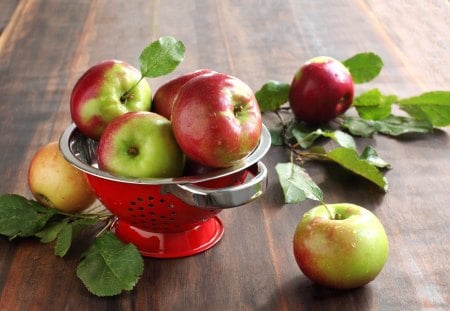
x=75 y=146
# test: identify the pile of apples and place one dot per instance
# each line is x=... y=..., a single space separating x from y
x=197 y=122
x=210 y=118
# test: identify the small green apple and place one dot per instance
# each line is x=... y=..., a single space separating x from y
x=55 y=183
x=140 y=144
x=340 y=245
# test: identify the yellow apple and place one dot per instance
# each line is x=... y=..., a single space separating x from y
x=55 y=183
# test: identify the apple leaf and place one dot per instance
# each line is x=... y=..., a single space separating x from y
x=272 y=95
x=349 y=159
x=297 y=185
x=370 y=155
x=433 y=107
x=391 y=126
x=68 y=232
x=51 y=231
x=342 y=138
x=372 y=105
x=110 y=266
x=364 y=67
x=22 y=217
x=161 y=57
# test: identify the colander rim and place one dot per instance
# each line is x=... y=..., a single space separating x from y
x=68 y=140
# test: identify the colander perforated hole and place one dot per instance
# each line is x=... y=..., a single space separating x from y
x=170 y=205
x=133 y=203
x=151 y=198
x=151 y=205
x=141 y=208
x=140 y=199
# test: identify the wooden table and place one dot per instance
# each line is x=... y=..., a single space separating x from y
x=46 y=45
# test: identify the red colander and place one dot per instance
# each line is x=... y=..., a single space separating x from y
x=169 y=217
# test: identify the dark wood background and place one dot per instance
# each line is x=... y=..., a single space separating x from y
x=46 y=45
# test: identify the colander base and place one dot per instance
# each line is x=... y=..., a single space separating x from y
x=171 y=244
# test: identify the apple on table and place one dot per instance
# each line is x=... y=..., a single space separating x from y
x=321 y=90
x=55 y=183
x=340 y=245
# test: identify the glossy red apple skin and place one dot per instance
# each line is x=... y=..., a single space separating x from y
x=165 y=95
x=321 y=90
x=97 y=97
x=216 y=120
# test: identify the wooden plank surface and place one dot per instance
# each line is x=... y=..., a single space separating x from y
x=46 y=45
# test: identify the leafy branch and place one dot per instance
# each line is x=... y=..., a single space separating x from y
x=424 y=113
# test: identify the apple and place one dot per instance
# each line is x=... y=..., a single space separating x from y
x=321 y=90
x=216 y=120
x=140 y=144
x=55 y=183
x=105 y=91
x=343 y=247
x=164 y=96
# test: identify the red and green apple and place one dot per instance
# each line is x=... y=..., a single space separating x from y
x=340 y=245
x=55 y=183
x=140 y=144
x=105 y=91
x=216 y=119
x=165 y=95
x=321 y=90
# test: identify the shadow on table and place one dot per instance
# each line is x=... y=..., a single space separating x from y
x=301 y=294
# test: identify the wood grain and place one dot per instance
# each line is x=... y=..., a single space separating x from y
x=46 y=45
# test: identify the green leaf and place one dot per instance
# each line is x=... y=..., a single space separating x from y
x=305 y=137
x=276 y=135
x=272 y=95
x=372 y=105
x=431 y=106
x=161 y=57
x=297 y=185
x=67 y=234
x=370 y=155
x=50 y=232
x=364 y=67
x=22 y=217
x=349 y=159
x=342 y=138
x=109 y=266
x=392 y=126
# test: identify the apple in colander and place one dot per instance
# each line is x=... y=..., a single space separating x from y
x=165 y=95
x=216 y=119
x=141 y=145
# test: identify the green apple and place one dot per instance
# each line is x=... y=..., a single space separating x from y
x=140 y=144
x=340 y=245
x=105 y=91
x=55 y=183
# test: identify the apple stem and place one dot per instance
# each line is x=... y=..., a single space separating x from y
x=124 y=98
x=329 y=211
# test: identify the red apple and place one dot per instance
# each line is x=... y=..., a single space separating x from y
x=216 y=119
x=321 y=90
x=140 y=144
x=164 y=97
x=344 y=246
x=105 y=91
x=55 y=183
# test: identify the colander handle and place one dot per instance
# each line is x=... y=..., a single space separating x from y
x=221 y=198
